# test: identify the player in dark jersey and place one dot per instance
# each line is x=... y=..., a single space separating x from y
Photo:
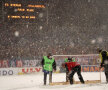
x=104 y=62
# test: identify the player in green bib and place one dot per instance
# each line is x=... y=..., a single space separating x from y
x=48 y=64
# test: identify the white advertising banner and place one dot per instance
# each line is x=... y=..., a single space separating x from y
x=8 y=71
x=19 y=71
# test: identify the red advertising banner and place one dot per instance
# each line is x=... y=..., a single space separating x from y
x=5 y=63
x=31 y=70
x=19 y=63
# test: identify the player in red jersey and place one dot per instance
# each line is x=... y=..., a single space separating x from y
x=74 y=67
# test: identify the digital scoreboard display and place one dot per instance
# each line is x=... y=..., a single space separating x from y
x=24 y=11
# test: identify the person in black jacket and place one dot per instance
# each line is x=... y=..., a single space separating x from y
x=104 y=61
x=48 y=64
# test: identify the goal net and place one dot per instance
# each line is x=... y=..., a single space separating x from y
x=89 y=65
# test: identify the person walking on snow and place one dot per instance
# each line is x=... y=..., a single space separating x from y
x=48 y=64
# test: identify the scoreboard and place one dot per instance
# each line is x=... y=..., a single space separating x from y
x=24 y=11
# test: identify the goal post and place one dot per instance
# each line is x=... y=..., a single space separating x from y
x=89 y=63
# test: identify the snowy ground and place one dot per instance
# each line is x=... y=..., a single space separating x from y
x=35 y=82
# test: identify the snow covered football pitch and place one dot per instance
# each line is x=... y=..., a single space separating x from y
x=35 y=82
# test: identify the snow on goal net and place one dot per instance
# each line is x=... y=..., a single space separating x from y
x=89 y=62
x=89 y=67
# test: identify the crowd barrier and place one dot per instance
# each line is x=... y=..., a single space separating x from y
x=89 y=63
